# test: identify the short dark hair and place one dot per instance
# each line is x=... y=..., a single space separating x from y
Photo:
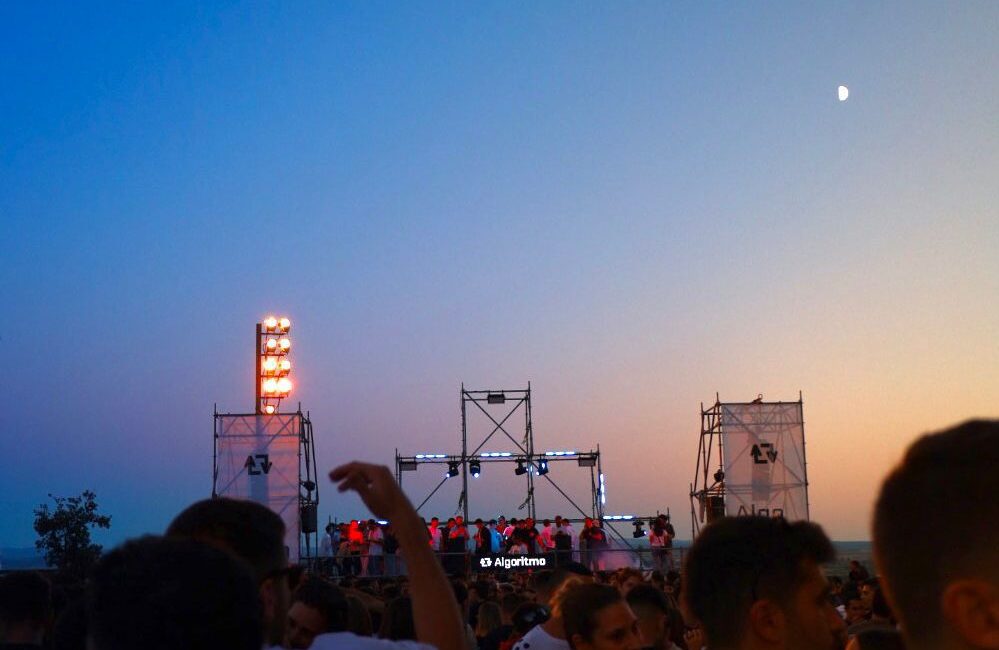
x=738 y=560
x=247 y=529
x=646 y=598
x=951 y=474
x=158 y=593
x=579 y=607
x=326 y=598
x=25 y=596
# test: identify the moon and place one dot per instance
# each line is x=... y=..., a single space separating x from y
x=844 y=92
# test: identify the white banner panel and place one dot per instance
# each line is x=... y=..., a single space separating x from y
x=257 y=459
x=763 y=456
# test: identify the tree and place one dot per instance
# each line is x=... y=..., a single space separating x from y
x=64 y=534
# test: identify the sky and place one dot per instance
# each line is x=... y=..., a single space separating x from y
x=635 y=207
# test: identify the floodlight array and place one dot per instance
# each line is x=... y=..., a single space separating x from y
x=273 y=346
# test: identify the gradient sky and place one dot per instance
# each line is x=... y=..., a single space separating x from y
x=631 y=205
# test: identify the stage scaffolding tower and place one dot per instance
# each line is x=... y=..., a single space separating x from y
x=531 y=464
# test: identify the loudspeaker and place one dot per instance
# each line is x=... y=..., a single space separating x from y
x=716 y=508
x=309 y=517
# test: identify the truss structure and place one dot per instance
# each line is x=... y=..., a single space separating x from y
x=271 y=459
x=750 y=461
x=516 y=411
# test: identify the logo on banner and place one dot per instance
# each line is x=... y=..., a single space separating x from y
x=763 y=452
x=507 y=562
x=251 y=464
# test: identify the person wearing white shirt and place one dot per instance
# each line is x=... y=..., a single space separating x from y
x=375 y=541
x=435 y=534
x=547 y=543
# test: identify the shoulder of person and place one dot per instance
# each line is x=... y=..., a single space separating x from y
x=349 y=640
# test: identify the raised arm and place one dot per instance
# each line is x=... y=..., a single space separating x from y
x=435 y=610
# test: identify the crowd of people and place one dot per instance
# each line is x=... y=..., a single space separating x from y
x=371 y=549
x=218 y=578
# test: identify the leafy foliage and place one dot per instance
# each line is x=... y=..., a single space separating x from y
x=64 y=533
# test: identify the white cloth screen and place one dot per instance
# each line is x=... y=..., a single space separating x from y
x=763 y=456
x=258 y=459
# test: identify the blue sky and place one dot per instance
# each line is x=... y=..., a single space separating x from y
x=631 y=205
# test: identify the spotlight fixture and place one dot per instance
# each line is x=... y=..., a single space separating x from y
x=474 y=468
x=452 y=469
x=273 y=365
x=495 y=398
x=542 y=467
x=520 y=470
x=638 y=532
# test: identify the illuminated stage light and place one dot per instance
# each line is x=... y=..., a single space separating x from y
x=270 y=366
x=285 y=366
x=271 y=344
x=270 y=386
x=284 y=324
x=269 y=409
x=452 y=469
x=270 y=323
x=474 y=468
x=542 y=467
x=285 y=344
x=284 y=385
x=520 y=469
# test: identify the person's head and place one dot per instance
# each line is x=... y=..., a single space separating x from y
x=941 y=574
x=867 y=590
x=490 y=618
x=596 y=617
x=651 y=608
x=317 y=607
x=330 y=528
x=435 y=522
x=628 y=578
x=853 y=605
x=25 y=607
x=397 y=620
x=877 y=639
x=157 y=593
x=255 y=535
x=546 y=523
x=358 y=617
x=509 y=602
x=548 y=583
x=757 y=581
x=459 y=520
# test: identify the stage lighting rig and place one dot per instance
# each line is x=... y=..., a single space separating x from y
x=474 y=468
x=273 y=365
x=542 y=467
x=520 y=470
x=452 y=469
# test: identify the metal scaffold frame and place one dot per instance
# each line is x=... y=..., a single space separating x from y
x=525 y=456
x=708 y=493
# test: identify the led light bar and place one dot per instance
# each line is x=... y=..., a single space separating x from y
x=560 y=453
x=496 y=454
x=422 y=456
